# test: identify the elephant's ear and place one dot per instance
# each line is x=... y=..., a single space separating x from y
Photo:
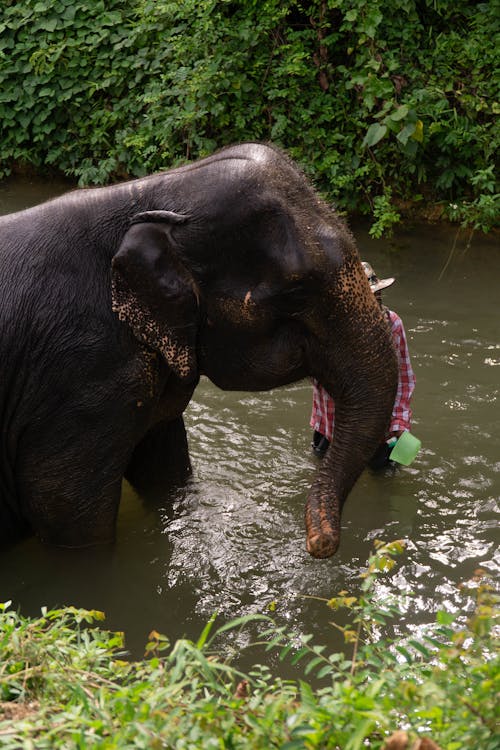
x=154 y=292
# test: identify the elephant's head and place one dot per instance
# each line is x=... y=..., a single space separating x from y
x=240 y=272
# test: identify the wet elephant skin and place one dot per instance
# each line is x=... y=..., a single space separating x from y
x=114 y=302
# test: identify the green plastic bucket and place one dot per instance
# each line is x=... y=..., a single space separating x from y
x=405 y=449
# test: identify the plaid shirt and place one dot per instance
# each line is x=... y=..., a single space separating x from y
x=323 y=409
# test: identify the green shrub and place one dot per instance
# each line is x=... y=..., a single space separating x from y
x=382 y=101
x=65 y=685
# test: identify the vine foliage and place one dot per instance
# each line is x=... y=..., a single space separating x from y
x=386 y=103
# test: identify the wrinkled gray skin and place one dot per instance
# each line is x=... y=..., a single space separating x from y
x=115 y=300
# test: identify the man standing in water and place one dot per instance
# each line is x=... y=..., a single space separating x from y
x=323 y=409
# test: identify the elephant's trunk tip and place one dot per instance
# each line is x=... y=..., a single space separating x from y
x=321 y=545
x=322 y=528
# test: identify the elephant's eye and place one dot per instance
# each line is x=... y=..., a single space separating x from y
x=293 y=298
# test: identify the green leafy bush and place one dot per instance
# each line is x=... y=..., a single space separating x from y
x=383 y=101
x=65 y=685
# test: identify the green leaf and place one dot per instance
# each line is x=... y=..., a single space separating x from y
x=206 y=631
x=307 y=694
x=300 y=655
x=418 y=133
x=404 y=652
x=326 y=670
x=406 y=133
x=243 y=620
x=421 y=648
x=48 y=24
x=445 y=618
x=313 y=663
x=357 y=739
x=400 y=113
x=374 y=134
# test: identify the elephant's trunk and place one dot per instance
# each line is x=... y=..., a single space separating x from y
x=364 y=388
x=336 y=476
x=356 y=439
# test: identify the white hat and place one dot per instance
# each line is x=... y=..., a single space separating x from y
x=376 y=284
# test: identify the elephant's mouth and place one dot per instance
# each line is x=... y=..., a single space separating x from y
x=241 y=365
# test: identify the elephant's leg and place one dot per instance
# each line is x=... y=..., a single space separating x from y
x=12 y=524
x=70 y=486
x=161 y=459
x=72 y=511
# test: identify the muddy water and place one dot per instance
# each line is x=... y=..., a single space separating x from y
x=232 y=541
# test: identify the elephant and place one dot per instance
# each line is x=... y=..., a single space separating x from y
x=114 y=302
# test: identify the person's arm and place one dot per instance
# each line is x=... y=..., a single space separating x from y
x=401 y=412
x=323 y=411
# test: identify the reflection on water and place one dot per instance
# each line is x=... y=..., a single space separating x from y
x=232 y=541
